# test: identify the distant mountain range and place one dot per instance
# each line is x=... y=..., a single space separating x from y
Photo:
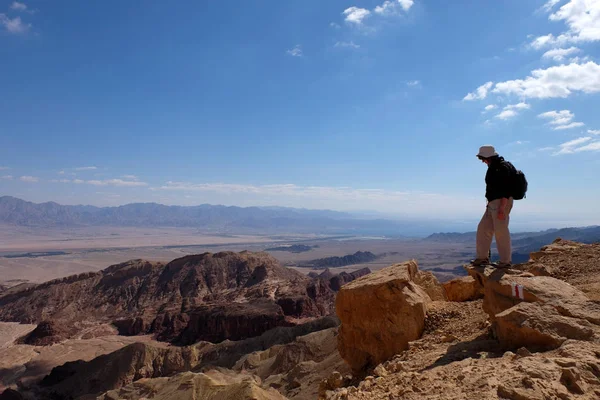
x=524 y=243
x=208 y=218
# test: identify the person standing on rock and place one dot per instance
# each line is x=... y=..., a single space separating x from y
x=500 y=184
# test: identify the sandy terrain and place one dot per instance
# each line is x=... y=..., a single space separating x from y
x=84 y=250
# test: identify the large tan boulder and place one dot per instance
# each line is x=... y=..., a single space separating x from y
x=380 y=313
x=538 y=312
x=430 y=284
x=462 y=289
x=539 y=327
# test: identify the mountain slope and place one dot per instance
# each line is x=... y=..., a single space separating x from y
x=197 y=297
x=217 y=218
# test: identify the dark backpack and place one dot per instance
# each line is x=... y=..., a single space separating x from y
x=518 y=182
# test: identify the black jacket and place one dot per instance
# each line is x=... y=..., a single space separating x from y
x=498 y=179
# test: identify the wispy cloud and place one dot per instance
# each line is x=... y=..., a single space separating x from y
x=392 y=7
x=480 y=93
x=85 y=168
x=14 y=25
x=512 y=110
x=582 y=18
x=296 y=51
x=334 y=25
x=413 y=83
x=347 y=45
x=4 y=168
x=594 y=131
x=506 y=114
x=324 y=196
x=578 y=145
x=519 y=142
x=356 y=15
x=29 y=179
x=561 y=120
x=549 y=5
x=18 y=6
x=545 y=149
x=555 y=82
x=560 y=54
x=116 y=182
x=490 y=107
x=6 y=177
x=104 y=182
x=130 y=177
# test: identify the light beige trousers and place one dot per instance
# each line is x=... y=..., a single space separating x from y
x=491 y=226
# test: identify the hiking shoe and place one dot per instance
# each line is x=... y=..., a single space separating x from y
x=503 y=265
x=479 y=262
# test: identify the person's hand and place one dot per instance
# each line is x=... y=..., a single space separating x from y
x=501 y=215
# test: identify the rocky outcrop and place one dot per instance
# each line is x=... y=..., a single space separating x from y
x=212 y=385
x=215 y=323
x=380 y=313
x=47 y=333
x=337 y=281
x=463 y=289
x=537 y=326
x=430 y=284
x=537 y=312
x=153 y=360
x=171 y=300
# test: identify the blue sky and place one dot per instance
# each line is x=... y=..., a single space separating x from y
x=347 y=105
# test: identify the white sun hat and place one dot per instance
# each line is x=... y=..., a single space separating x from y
x=487 y=152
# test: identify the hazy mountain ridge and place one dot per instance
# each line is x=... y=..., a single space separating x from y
x=217 y=218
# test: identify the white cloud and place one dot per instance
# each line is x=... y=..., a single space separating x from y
x=14 y=25
x=579 y=60
x=511 y=110
x=86 y=168
x=356 y=15
x=350 y=45
x=295 y=52
x=572 y=145
x=480 y=93
x=490 y=107
x=594 y=146
x=334 y=25
x=7 y=177
x=594 y=131
x=116 y=182
x=130 y=182
x=413 y=83
x=507 y=114
x=519 y=106
x=130 y=177
x=550 y=5
x=557 y=81
x=391 y=7
x=560 y=54
x=544 y=149
x=561 y=119
x=4 y=168
x=61 y=172
x=570 y=126
x=406 y=4
x=18 y=6
x=582 y=18
x=30 y=179
x=320 y=196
